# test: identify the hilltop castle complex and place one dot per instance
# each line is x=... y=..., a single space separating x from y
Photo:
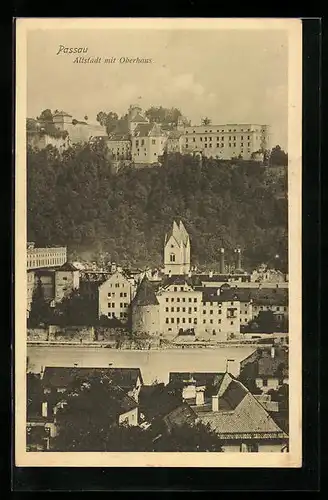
x=136 y=139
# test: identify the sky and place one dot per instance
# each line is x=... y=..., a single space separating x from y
x=230 y=76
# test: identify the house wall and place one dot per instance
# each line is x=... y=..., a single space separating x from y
x=130 y=417
x=65 y=283
x=30 y=288
x=226 y=141
x=115 y=296
x=273 y=383
x=120 y=149
x=147 y=149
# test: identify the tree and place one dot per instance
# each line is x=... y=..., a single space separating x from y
x=108 y=120
x=189 y=438
x=46 y=116
x=76 y=309
x=278 y=157
x=206 y=121
x=41 y=312
x=265 y=322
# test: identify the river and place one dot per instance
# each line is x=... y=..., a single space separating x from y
x=154 y=365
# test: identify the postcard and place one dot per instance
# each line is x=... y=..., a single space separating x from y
x=158 y=242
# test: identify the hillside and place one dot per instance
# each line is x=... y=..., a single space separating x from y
x=76 y=200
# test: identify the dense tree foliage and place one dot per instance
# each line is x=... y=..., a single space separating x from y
x=278 y=157
x=75 y=199
x=40 y=312
x=165 y=116
x=89 y=422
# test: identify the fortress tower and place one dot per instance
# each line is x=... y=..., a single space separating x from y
x=177 y=250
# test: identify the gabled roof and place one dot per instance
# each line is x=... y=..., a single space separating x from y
x=145 y=295
x=148 y=130
x=139 y=119
x=241 y=413
x=56 y=377
x=119 y=136
x=62 y=113
x=176 y=280
x=68 y=267
x=179 y=233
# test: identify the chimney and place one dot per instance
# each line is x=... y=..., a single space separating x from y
x=222 y=266
x=44 y=409
x=238 y=258
x=272 y=352
x=211 y=274
x=170 y=273
x=215 y=403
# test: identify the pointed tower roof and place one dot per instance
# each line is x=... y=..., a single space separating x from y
x=145 y=295
x=175 y=233
x=184 y=234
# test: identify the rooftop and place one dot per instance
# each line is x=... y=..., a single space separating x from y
x=145 y=295
x=57 y=377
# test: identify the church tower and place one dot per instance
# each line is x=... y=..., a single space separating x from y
x=177 y=250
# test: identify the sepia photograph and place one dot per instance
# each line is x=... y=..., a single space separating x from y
x=158 y=242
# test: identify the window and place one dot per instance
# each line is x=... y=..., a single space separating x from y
x=125 y=294
x=109 y=294
x=126 y=304
x=166 y=309
x=231 y=322
x=109 y=315
x=183 y=320
x=178 y=299
x=189 y=320
x=172 y=257
x=210 y=138
x=204 y=320
x=64 y=278
x=189 y=300
x=121 y=294
x=172 y=299
x=219 y=321
x=183 y=300
x=178 y=320
x=117 y=285
x=211 y=321
x=186 y=139
x=181 y=288
x=172 y=309
x=205 y=145
x=278 y=308
x=204 y=312
x=195 y=321
x=195 y=299
x=178 y=309
x=194 y=139
x=229 y=144
x=166 y=320
x=113 y=304
x=175 y=288
x=220 y=311
x=189 y=310
x=142 y=142
x=153 y=141
x=172 y=320
x=137 y=144
x=234 y=144
x=121 y=315
x=265 y=382
x=201 y=138
x=183 y=309
x=121 y=304
x=109 y=305
x=167 y=299
x=211 y=311
x=195 y=309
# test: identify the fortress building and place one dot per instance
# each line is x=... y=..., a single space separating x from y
x=177 y=251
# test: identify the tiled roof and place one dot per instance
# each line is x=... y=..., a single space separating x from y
x=158 y=402
x=68 y=267
x=139 y=118
x=119 y=136
x=55 y=377
x=175 y=134
x=181 y=415
x=145 y=295
x=245 y=416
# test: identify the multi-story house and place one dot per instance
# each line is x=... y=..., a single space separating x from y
x=115 y=296
x=45 y=257
x=148 y=143
x=119 y=145
x=226 y=141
